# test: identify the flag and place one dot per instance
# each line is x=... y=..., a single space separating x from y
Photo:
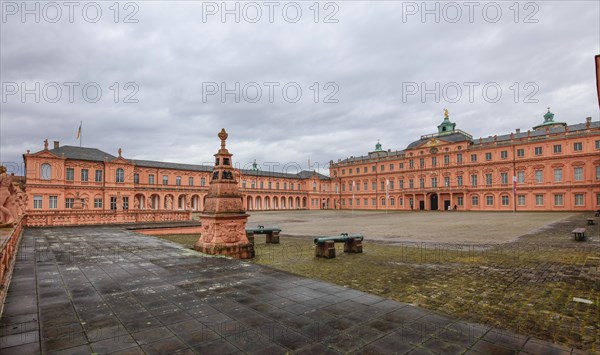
x=79 y=131
x=353 y=188
x=514 y=184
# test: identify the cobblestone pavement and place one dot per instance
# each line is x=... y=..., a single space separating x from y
x=106 y=290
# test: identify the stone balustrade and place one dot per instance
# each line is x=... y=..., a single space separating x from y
x=9 y=241
x=84 y=217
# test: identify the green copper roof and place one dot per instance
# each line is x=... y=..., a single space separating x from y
x=446 y=127
x=378 y=146
x=549 y=121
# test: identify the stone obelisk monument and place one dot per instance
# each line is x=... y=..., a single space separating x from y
x=224 y=217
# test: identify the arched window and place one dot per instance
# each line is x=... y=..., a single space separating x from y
x=120 y=175
x=46 y=171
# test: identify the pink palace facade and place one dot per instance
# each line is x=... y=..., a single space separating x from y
x=553 y=167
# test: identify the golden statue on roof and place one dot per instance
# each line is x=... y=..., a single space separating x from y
x=445 y=113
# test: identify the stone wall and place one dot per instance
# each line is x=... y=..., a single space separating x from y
x=86 y=217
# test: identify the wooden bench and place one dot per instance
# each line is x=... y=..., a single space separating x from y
x=272 y=233
x=590 y=221
x=579 y=234
x=325 y=246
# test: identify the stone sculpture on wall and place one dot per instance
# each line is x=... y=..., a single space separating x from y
x=13 y=199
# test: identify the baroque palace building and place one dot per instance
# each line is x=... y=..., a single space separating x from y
x=553 y=167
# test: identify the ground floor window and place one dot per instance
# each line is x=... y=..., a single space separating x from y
x=392 y=201
x=401 y=201
x=475 y=200
x=53 y=202
x=521 y=200
x=350 y=201
x=69 y=202
x=373 y=202
x=366 y=201
x=579 y=199
x=460 y=201
x=505 y=200
x=539 y=200
x=97 y=203
x=358 y=201
x=113 y=203
x=37 y=201
x=597 y=199
x=558 y=200
x=343 y=202
x=126 y=202
x=383 y=201
x=489 y=200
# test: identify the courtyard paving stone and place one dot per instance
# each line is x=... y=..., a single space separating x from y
x=109 y=290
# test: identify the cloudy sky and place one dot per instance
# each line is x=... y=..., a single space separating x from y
x=290 y=81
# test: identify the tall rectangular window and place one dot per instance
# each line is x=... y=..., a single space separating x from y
x=84 y=175
x=473 y=180
x=382 y=167
x=113 y=203
x=473 y=157
x=401 y=183
x=597 y=144
x=421 y=163
x=539 y=176
x=577 y=146
x=366 y=186
x=459 y=180
x=151 y=179
x=401 y=165
x=538 y=150
x=178 y=180
x=558 y=200
x=433 y=161
x=433 y=182
x=98 y=175
x=37 y=201
x=243 y=184
x=422 y=183
x=391 y=167
x=521 y=152
x=504 y=154
x=191 y=181
x=136 y=178
x=391 y=185
x=597 y=172
x=505 y=200
x=521 y=200
x=373 y=186
x=125 y=202
x=475 y=200
x=446 y=160
x=411 y=164
x=489 y=200
x=488 y=156
x=411 y=184
x=578 y=174
x=165 y=180
x=488 y=179
x=460 y=201
x=504 y=178
x=97 y=203
x=558 y=176
x=446 y=181
x=52 y=201
x=539 y=200
x=69 y=202
x=459 y=158
x=521 y=177
x=579 y=200
x=270 y=185
x=70 y=175
x=203 y=182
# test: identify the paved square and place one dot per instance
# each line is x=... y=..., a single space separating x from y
x=111 y=291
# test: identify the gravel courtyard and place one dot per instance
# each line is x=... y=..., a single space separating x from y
x=441 y=227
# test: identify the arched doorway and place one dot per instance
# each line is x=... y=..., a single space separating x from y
x=433 y=202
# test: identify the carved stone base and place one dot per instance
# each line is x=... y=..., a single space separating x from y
x=237 y=251
x=325 y=250
x=353 y=246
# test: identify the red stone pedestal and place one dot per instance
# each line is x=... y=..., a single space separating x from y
x=224 y=217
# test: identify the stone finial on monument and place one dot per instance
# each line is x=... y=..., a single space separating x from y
x=224 y=217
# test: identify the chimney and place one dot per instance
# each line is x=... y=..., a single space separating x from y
x=518 y=130
x=56 y=144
